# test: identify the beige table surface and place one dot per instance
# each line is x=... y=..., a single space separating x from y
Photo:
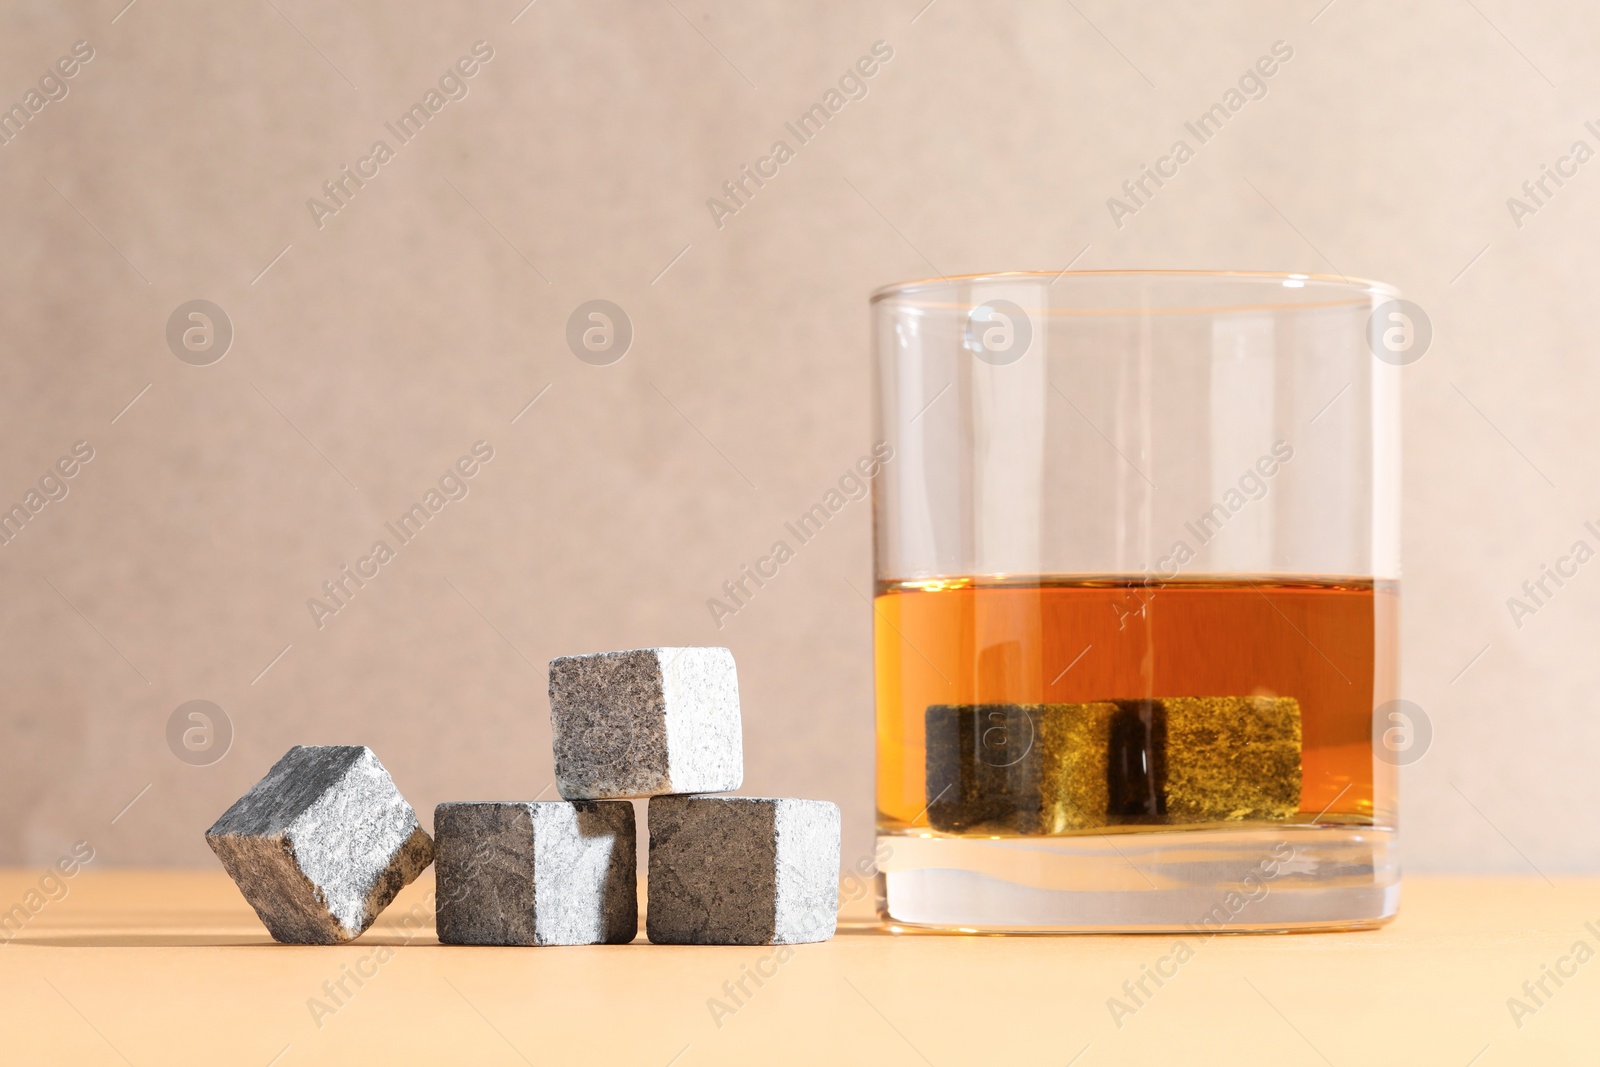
x=147 y=967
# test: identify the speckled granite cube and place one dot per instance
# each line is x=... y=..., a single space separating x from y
x=539 y=873
x=742 y=871
x=1231 y=758
x=648 y=722
x=322 y=844
x=982 y=769
x=1017 y=768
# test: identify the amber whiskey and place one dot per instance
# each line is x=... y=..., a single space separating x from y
x=1126 y=643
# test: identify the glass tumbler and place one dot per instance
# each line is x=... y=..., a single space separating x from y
x=1136 y=607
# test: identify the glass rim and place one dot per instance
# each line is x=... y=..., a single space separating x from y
x=1348 y=287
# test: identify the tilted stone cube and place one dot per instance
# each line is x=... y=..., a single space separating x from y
x=742 y=871
x=538 y=873
x=649 y=722
x=322 y=844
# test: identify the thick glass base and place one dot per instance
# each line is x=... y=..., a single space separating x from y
x=1200 y=880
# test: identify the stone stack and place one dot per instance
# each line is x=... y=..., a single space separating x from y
x=663 y=723
x=325 y=841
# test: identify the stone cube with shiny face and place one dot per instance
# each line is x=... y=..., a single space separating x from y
x=647 y=722
x=322 y=844
x=742 y=871
x=536 y=873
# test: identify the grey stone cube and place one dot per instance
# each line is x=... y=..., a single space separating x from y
x=644 y=723
x=322 y=844
x=742 y=871
x=550 y=873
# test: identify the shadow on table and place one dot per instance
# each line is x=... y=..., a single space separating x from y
x=190 y=940
x=173 y=939
x=194 y=939
x=234 y=936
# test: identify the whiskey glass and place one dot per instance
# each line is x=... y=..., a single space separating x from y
x=1136 y=556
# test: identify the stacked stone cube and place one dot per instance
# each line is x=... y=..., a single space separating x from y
x=324 y=842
